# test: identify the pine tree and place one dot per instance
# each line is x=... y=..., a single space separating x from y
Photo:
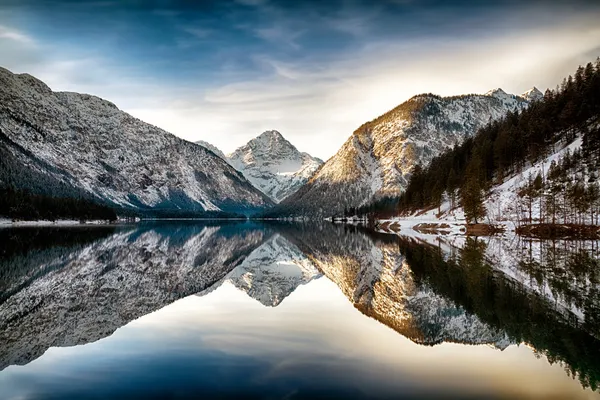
x=472 y=193
x=451 y=184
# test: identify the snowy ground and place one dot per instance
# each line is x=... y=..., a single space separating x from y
x=501 y=203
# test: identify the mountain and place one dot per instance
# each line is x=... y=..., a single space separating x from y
x=274 y=165
x=271 y=272
x=212 y=148
x=378 y=158
x=532 y=94
x=90 y=146
x=536 y=167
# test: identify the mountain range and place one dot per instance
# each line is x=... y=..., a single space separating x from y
x=87 y=144
x=378 y=158
x=75 y=145
x=271 y=163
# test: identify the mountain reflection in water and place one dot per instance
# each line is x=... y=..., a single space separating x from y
x=122 y=298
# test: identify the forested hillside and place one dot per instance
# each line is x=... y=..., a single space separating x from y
x=28 y=193
x=377 y=159
x=566 y=121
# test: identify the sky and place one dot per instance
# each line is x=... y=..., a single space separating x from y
x=225 y=71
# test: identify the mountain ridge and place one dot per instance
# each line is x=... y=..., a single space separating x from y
x=377 y=159
x=91 y=145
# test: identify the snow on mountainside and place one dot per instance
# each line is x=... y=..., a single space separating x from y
x=212 y=148
x=502 y=202
x=90 y=144
x=378 y=158
x=532 y=94
x=274 y=165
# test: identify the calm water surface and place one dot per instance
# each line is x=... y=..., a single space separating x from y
x=294 y=311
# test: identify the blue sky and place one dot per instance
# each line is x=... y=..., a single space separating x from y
x=224 y=71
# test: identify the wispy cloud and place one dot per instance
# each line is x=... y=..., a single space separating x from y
x=200 y=33
x=15 y=35
x=323 y=101
x=227 y=72
x=280 y=35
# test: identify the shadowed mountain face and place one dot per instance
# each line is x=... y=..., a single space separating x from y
x=71 y=286
x=79 y=144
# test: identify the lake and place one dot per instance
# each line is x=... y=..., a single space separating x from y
x=287 y=311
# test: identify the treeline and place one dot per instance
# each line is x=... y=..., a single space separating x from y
x=27 y=194
x=24 y=205
x=505 y=147
x=569 y=193
x=384 y=207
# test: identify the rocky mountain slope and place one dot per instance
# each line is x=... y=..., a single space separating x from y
x=87 y=143
x=272 y=164
x=212 y=148
x=377 y=160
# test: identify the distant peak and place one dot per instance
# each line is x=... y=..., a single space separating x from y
x=272 y=139
x=532 y=94
x=498 y=92
x=273 y=134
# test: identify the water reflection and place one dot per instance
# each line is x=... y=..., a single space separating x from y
x=506 y=303
x=312 y=338
x=75 y=293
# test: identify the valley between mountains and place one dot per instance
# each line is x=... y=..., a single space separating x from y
x=469 y=158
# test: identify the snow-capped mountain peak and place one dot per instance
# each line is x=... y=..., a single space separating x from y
x=498 y=93
x=532 y=94
x=267 y=145
x=271 y=136
x=274 y=165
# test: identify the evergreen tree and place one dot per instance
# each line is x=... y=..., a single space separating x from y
x=472 y=194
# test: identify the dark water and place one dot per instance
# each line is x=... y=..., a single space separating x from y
x=294 y=311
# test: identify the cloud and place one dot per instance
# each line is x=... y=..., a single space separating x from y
x=313 y=76
x=15 y=35
x=323 y=101
x=200 y=33
x=279 y=34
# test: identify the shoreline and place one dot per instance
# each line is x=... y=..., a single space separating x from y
x=9 y=223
